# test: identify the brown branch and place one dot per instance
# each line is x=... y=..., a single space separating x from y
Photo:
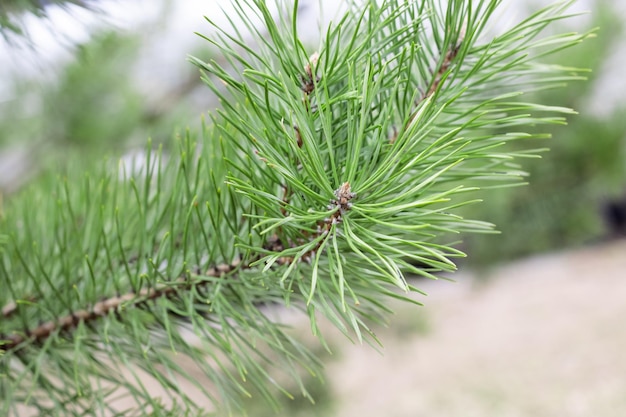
x=104 y=307
x=445 y=66
x=435 y=82
x=341 y=204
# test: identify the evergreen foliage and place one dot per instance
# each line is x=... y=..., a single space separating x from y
x=97 y=81
x=325 y=180
x=587 y=165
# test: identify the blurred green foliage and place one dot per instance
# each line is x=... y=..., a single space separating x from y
x=94 y=102
x=90 y=107
x=586 y=165
x=11 y=12
x=298 y=406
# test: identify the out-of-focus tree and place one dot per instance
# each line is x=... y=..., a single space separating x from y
x=12 y=12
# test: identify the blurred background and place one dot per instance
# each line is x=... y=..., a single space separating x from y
x=530 y=324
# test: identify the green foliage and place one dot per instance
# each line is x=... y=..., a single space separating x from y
x=561 y=206
x=325 y=180
x=92 y=106
x=298 y=406
x=91 y=103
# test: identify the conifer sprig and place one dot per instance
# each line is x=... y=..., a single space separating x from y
x=328 y=176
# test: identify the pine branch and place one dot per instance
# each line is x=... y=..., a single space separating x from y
x=324 y=182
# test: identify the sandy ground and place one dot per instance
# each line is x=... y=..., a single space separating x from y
x=541 y=337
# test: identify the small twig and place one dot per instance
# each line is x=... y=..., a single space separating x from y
x=445 y=65
x=298 y=136
x=309 y=78
x=341 y=205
